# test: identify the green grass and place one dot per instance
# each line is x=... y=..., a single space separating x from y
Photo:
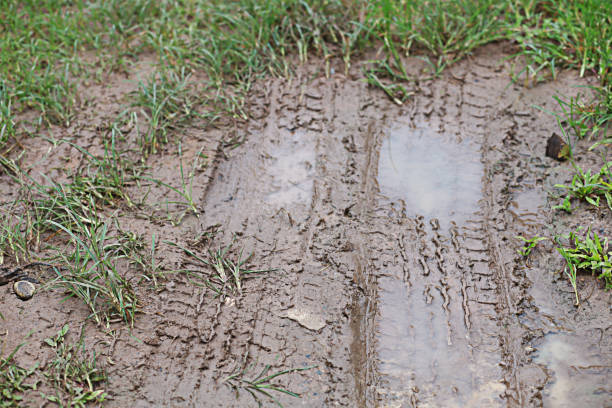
x=588 y=186
x=14 y=381
x=590 y=254
x=529 y=244
x=74 y=375
x=261 y=385
x=89 y=272
x=233 y=43
x=165 y=101
x=226 y=269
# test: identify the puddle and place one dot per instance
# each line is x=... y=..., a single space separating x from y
x=413 y=346
x=435 y=175
x=580 y=375
x=292 y=169
x=417 y=355
x=423 y=347
x=529 y=207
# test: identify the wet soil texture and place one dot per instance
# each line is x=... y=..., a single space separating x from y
x=390 y=230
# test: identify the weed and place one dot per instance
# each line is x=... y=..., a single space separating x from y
x=589 y=254
x=7 y=121
x=14 y=380
x=186 y=189
x=588 y=187
x=227 y=274
x=588 y=118
x=13 y=236
x=75 y=377
x=103 y=178
x=262 y=383
x=530 y=244
x=165 y=102
x=90 y=271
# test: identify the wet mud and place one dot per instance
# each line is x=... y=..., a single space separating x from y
x=388 y=232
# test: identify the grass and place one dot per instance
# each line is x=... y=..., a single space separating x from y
x=90 y=272
x=227 y=270
x=234 y=43
x=185 y=191
x=14 y=380
x=164 y=100
x=588 y=187
x=529 y=244
x=589 y=254
x=75 y=376
x=261 y=385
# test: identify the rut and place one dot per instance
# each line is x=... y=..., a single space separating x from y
x=388 y=233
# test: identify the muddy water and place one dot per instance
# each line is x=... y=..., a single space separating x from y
x=579 y=374
x=425 y=348
x=292 y=164
x=434 y=174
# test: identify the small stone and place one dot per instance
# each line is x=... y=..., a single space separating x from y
x=556 y=148
x=24 y=289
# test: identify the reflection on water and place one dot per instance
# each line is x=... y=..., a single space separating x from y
x=292 y=170
x=581 y=376
x=435 y=175
x=420 y=357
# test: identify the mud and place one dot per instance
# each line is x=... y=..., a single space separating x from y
x=389 y=232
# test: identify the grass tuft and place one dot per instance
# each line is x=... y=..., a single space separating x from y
x=589 y=255
x=75 y=376
x=261 y=384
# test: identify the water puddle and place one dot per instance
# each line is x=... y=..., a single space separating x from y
x=529 y=207
x=292 y=170
x=435 y=175
x=422 y=344
x=580 y=375
x=413 y=347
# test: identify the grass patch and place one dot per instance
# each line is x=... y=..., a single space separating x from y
x=590 y=255
x=588 y=187
x=165 y=102
x=227 y=270
x=529 y=244
x=14 y=381
x=566 y=33
x=90 y=272
x=74 y=375
x=261 y=385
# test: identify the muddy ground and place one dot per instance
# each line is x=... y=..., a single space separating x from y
x=389 y=234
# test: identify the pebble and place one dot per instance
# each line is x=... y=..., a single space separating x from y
x=24 y=289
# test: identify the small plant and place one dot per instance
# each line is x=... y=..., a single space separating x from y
x=164 y=100
x=7 y=122
x=75 y=376
x=14 y=380
x=588 y=187
x=530 y=244
x=90 y=273
x=262 y=383
x=588 y=118
x=227 y=274
x=590 y=254
x=186 y=189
